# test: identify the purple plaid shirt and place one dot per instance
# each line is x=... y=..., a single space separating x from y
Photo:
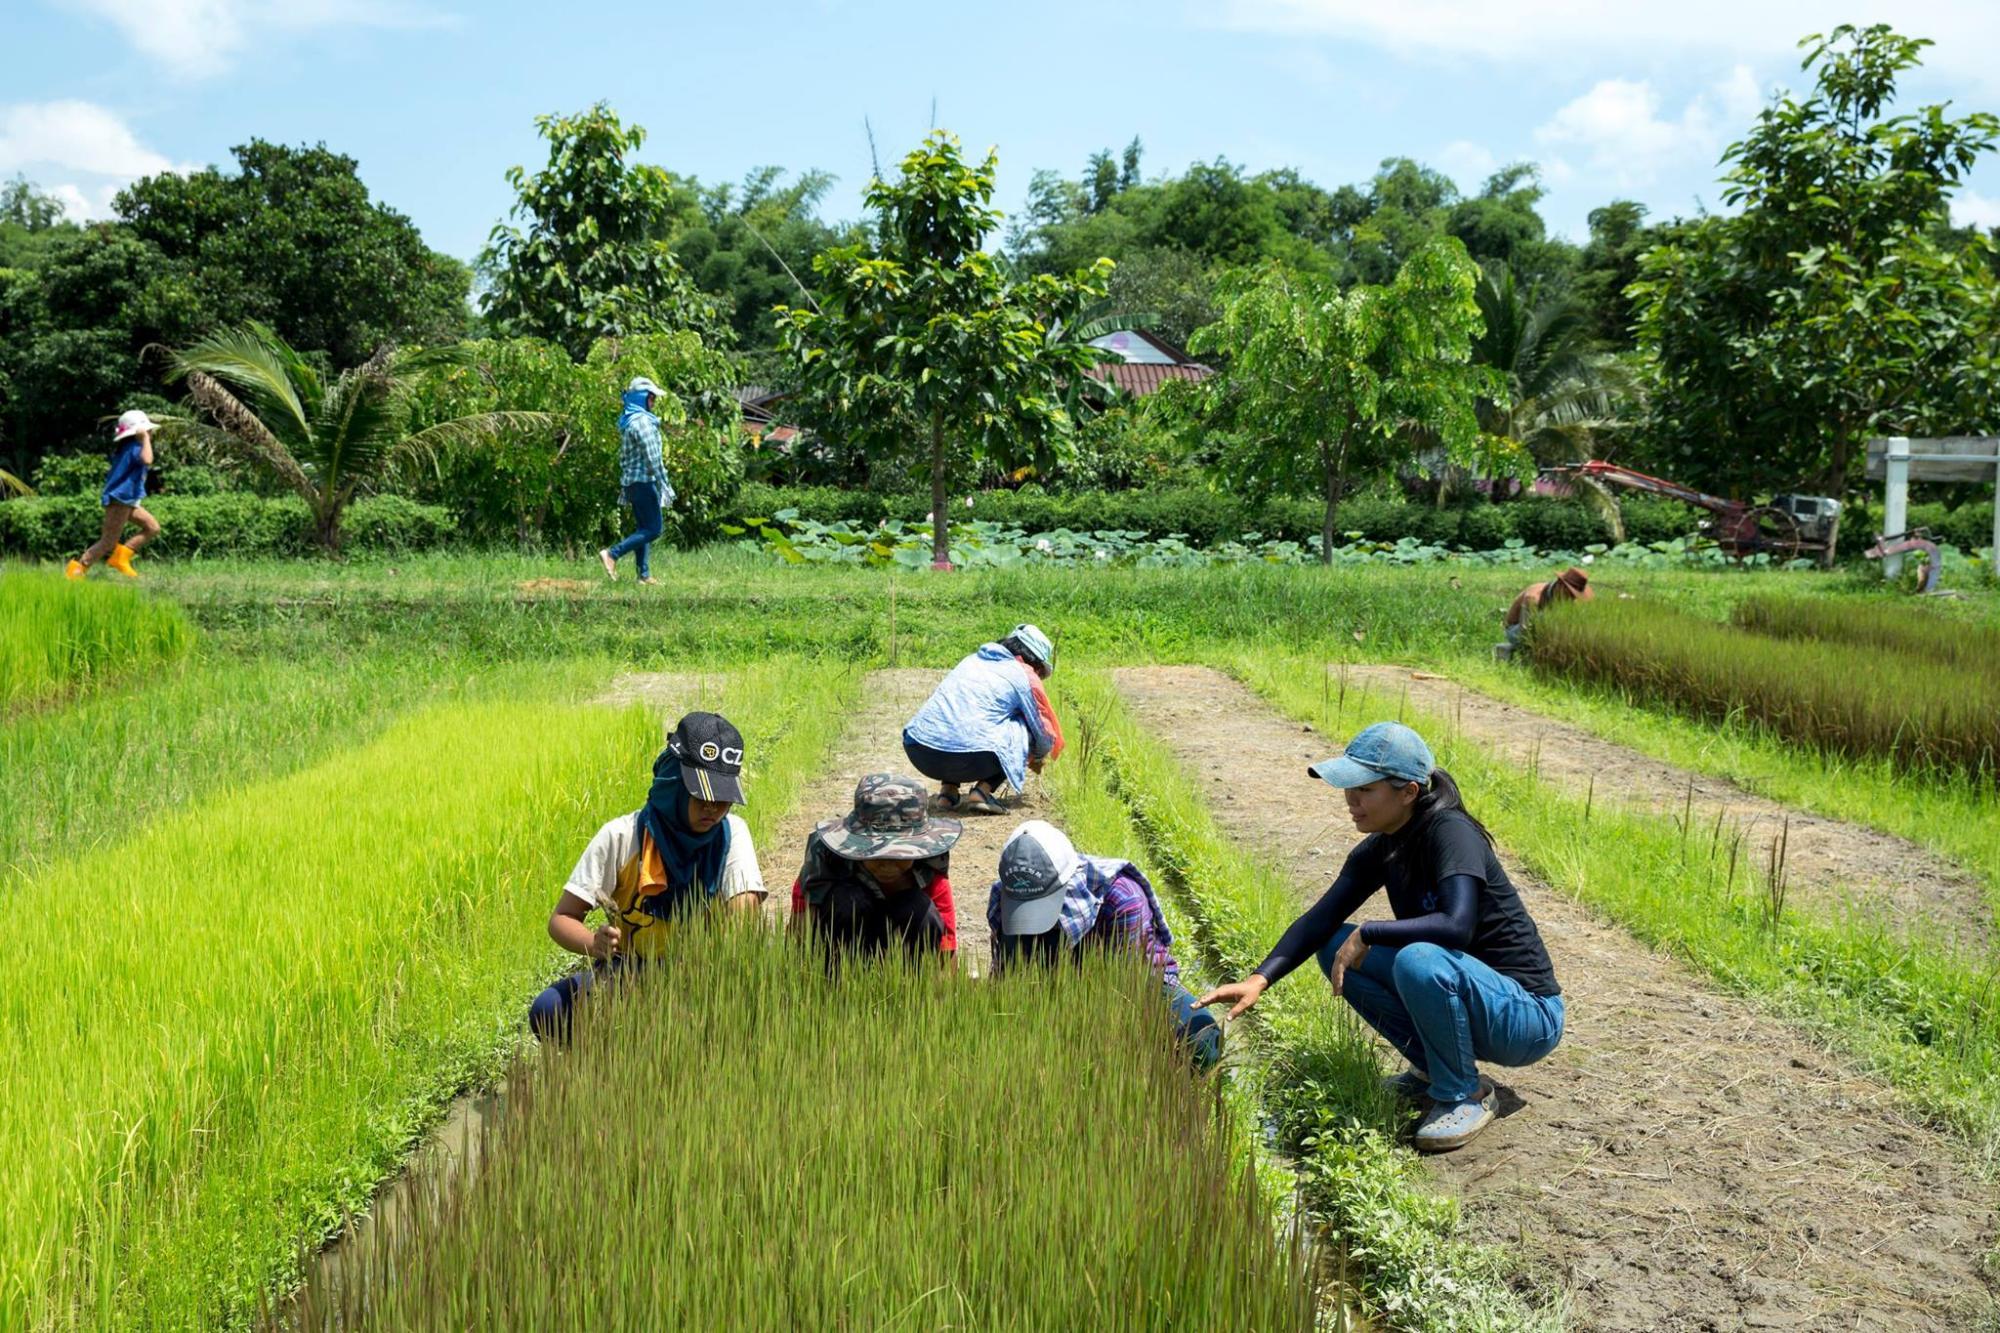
x=1109 y=902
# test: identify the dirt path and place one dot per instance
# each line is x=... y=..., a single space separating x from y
x=1682 y=1162
x=1832 y=866
x=873 y=743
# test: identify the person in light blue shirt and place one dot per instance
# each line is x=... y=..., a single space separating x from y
x=642 y=472
x=988 y=722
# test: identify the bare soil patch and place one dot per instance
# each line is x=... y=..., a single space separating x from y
x=668 y=693
x=872 y=742
x=1682 y=1161
x=1833 y=868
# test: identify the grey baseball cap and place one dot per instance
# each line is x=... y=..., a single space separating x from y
x=1384 y=750
x=1036 y=867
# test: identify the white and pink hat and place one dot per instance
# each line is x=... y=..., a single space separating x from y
x=131 y=423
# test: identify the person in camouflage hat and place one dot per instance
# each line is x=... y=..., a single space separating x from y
x=881 y=873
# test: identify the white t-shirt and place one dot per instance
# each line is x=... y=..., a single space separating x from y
x=610 y=875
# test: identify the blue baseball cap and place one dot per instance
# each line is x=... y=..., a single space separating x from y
x=1384 y=750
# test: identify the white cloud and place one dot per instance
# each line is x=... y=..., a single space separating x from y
x=80 y=152
x=1467 y=163
x=1617 y=126
x=1969 y=208
x=199 y=38
x=1965 y=33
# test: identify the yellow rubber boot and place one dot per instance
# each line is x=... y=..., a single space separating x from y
x=74 y=569
x=120 y=559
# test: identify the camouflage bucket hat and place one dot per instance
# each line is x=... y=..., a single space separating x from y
x=891 y=821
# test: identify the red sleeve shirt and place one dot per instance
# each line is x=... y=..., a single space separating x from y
x=940 y=896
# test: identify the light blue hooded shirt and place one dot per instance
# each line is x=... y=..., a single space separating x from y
x=987 y=704
x=639 y=457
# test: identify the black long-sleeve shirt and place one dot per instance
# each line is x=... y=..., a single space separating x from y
x=1446 y=887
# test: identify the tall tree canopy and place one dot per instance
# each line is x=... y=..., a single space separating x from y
x=593 y=260
x=1837 y=302
x=919 y=338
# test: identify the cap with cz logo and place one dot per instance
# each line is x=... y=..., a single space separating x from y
x=710 y=752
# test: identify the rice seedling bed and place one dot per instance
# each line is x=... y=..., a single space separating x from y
x=1926 y=634
x=1926 y=718
x=60 y=636
x=738 y=1140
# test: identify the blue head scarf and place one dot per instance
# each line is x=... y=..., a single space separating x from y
x=692 y=860
x=635 y=406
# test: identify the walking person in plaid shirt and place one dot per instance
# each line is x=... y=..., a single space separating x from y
x=1051 y=900
x=643 y=474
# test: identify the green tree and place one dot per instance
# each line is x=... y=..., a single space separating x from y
x=751 y=247
x=1836 y=304
x=292 y=240
x=326 y=437
x=1320 y=386
x=921 y=337
x=594 y=260
x=1609 y=266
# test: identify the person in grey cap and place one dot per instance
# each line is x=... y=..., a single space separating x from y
x=1460 y=975
x=989 y=721
x=882 y=873
x=1052 y=901
x=642 y=472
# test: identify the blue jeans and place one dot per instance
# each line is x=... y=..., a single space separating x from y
x=549 y=1015
x=1196 y=1027
x=1445 y=1010
x=645 y=502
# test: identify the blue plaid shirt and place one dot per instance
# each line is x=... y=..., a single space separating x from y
x=639 y=454
x=1110 y=902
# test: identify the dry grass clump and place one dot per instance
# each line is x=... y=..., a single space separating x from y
x=1927 y=637
x=1922 y=716
x=738 y=1140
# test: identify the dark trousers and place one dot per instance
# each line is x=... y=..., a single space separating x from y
x=645 y=502
x=947 y=766
x=549 y=1015
x=852 y=918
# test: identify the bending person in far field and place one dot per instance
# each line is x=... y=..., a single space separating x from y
x=882 y=875
x=124 y=500
x=1572 y=585
x=680 y=853
x=1460 y=975
x=642 y=472
x=1051 y=901
x=988 y=722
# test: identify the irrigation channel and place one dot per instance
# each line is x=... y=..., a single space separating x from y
x=1833 y=867
x=1683 y=1160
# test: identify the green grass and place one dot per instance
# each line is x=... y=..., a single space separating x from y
x=1924 y=632
x=738 y=1141
x=220 y=1033
x=1320 y=1091
x=1925 y=717
x=1924 y=1020
x=60 y=636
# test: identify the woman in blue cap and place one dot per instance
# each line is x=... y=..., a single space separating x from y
x=1460 y=975
x=987 y=722
x=642 y=472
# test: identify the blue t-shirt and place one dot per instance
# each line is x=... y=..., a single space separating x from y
x=126 y=485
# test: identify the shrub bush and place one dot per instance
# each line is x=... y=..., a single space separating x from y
x=228 y=524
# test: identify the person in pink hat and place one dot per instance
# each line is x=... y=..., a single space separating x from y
x=124 y=499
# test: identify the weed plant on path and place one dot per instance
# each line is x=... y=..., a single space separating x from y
x=739 y=1140
x=58 y=635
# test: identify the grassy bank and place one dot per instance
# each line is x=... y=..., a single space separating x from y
x=894 y=1148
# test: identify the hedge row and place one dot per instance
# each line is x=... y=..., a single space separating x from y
x=1207 y=517
x=229 y=524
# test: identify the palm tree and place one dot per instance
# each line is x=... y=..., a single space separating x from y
x=13 y=485
x=1562 y=389
x=326 y=437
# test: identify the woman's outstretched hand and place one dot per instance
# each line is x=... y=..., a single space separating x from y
x=1238 y=995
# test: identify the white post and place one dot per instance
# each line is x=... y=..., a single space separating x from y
x=1895 y=499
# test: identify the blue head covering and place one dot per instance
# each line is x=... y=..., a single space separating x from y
x=634 y=400
x=692 y=860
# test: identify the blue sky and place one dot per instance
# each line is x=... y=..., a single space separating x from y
x=436 y=98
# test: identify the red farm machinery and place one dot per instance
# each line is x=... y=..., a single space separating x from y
x=1788 y=528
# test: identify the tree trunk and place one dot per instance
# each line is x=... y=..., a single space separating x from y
x=1333 y=463
x=326 y=528
x=940 y=521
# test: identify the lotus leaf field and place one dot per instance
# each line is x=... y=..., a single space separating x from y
x=281 y=840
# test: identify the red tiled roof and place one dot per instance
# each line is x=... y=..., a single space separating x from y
x=1140 y=380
